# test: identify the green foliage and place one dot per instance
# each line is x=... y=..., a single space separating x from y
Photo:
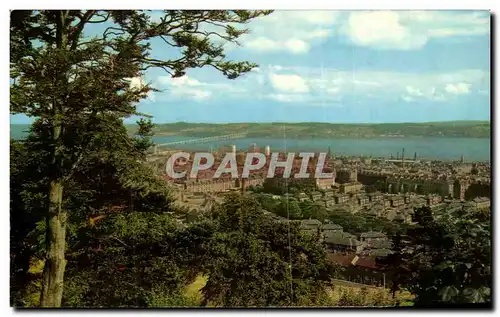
x=446 y=259
x=104 y=180
x=143 y=140
x=289 y=208
x=306 y=209
x=79 y=89
x=160 y=297
x=124 y=261
x=359 y=223
x=313 y=210
x=281 y=186
x=257 y=261
x=28 y=181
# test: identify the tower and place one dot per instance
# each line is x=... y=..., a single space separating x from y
x=268 y=150
x=253 y=147
x=415 y=156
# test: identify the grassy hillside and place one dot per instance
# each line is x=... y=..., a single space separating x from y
x=474 y=129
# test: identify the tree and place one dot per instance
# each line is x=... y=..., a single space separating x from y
x=254 y=260
x=395 y=264
x=143 y=140
x=313 y=210
x=289 y=208
x=70 y=83
x=27 y=195
x=445 y=259
x=100 y=187
x=125 y=261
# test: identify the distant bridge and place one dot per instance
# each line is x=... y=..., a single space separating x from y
x=202 y=140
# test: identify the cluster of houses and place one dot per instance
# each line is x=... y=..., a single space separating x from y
x=337 y=241
x=449 y=180
x=358 y=255
x=391 y=206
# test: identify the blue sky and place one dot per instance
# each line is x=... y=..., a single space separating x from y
x=339 y=66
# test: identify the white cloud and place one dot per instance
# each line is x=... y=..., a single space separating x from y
x=400 y=30
x=289 y=31
x=405 y=30
x=192 y=93
x=458 y=88
x=447 y=23
x=186 y=87
x=289 y=83
x=328 y=85
x=297 y=32
x=262 y=44
x=429 y=93
x=297 y=46
x=383 y=29
x=184 y=81
x=414 y=91
x=199 y=94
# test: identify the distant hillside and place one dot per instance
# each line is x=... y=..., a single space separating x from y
x=471 y=129
x=464 y=129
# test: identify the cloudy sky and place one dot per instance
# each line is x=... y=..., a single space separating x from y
x=340 y=66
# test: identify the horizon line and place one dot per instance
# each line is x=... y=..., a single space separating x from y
x=320 y=122
x=302 y=122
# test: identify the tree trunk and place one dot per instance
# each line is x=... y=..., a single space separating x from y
x=55 y=239
x=55 y=262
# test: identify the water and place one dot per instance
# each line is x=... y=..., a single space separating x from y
x=473 y=149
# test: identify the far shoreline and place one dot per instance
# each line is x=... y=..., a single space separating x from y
x=301 y=137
